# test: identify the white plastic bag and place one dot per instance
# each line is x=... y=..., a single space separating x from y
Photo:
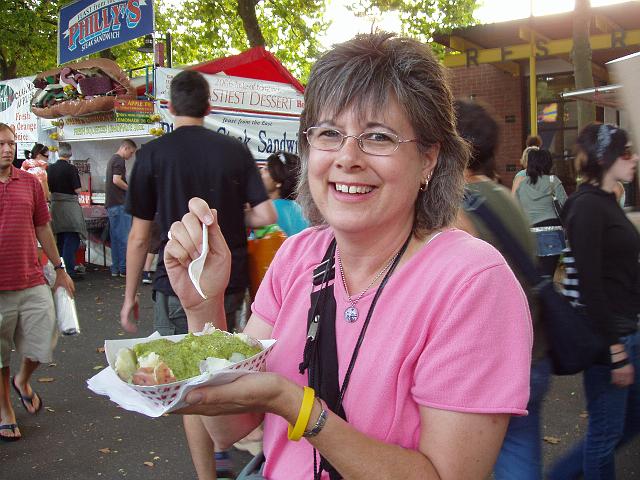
x=66 y=313
x=49 y=273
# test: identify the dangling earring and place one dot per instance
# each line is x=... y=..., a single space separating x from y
x=423 y=186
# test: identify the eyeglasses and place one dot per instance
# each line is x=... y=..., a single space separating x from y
x=373 y=143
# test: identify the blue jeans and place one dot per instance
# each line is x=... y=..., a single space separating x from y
x=119 y=226
x=521 y=454
x=68 y=243
x=614 y=419
x=169 y=318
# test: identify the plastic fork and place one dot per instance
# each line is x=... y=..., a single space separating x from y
x=196 y=266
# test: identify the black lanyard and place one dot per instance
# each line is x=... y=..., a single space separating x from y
x=313 y=360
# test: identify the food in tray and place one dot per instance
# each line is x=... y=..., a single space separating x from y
x=163 y=361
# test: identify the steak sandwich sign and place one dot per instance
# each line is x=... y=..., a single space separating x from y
x=89 y=26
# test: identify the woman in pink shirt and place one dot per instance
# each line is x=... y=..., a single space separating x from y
x=415 y=337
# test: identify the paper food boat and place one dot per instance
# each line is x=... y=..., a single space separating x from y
x=156 y=400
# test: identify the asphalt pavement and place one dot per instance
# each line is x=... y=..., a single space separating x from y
x=80 y=435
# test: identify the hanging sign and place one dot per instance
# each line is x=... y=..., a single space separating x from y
x=264 y=116
x=134 y=111
x=15 y=110
x=101 y=126
x=89 y=26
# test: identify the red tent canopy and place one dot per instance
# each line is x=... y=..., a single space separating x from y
x=256 y=63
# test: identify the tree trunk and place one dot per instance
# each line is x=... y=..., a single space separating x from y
x=8 y=70
x=107 y=53
x=581 y=58
x=247 y=12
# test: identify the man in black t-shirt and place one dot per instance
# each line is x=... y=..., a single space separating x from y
x=119 y=220
x=192 y=161
x=67 y=220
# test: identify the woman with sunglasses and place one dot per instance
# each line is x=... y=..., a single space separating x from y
x=403 y=344
x=36 y=163
x=606 y=248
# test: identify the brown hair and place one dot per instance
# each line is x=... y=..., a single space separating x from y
x=533 y=141
x=4 y=126
x=599 y=146
x=367 y=73
x=284 y=168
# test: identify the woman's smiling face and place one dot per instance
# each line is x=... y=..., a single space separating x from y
x=356 y=191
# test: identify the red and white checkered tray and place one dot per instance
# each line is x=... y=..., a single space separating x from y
x=156 y=400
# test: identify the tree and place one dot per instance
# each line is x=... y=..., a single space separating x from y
x=581 y=59
x=214 y=28
x=421 y=18
x=207 y=29
x=28 y=33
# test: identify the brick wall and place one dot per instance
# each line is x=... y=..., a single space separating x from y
x=501 y=93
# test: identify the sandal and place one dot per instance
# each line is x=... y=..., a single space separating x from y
x=12 y=427
x=27 y=398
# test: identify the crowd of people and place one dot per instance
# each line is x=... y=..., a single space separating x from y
x=387 y=256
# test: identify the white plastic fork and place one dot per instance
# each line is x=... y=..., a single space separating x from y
x=196 y=266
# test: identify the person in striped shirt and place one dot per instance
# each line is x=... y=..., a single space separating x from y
x=27 y=315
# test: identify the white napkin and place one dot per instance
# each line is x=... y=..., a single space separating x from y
x=109 y=384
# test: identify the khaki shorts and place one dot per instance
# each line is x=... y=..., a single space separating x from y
x=28 y=320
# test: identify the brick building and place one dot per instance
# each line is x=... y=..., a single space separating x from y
x=492 y=64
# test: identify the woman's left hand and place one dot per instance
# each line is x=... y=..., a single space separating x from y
x=623 y=376
x=254 y=392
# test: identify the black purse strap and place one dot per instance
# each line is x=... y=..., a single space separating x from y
x=320 y=357
x=475 y=204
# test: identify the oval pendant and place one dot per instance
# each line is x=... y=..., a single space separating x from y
x=351 y=314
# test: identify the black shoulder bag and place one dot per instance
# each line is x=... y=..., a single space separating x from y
x=574 y=344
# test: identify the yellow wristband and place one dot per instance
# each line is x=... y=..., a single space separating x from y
x=295 y=432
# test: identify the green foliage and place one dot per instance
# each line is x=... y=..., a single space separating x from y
x=28 y=31
x=421 y=18
x=206 y=29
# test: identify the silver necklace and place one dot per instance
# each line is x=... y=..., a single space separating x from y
x=351 y=312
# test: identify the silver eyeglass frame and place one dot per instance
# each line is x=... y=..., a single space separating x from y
x=358 y=139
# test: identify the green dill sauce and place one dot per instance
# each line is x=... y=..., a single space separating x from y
x=184 y=357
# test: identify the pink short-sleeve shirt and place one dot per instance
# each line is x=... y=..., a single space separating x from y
x=451 y=331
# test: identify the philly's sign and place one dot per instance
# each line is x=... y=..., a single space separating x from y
x=89 y=26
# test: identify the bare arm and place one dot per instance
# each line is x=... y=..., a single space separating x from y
x=137 y=248
x=262 y=214
x=47 y=192
x=48 y=243
x=452 y=446
x=119 y=182
x=516 y=182
x=225 y=430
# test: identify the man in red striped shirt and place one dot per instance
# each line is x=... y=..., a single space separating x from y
x=27 y=315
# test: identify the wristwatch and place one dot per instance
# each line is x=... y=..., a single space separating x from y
x=59 y=267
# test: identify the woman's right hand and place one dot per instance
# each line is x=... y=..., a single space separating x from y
x=184 y=247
